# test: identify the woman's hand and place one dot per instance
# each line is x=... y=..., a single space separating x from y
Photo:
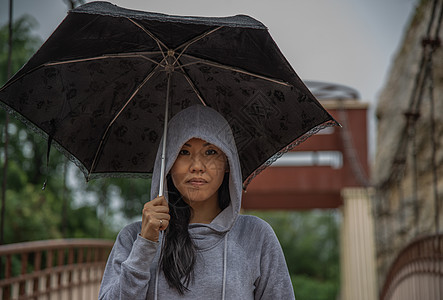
x=155 y=218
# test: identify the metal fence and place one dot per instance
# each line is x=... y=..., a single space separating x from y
x=417 y=272
x=53 y=269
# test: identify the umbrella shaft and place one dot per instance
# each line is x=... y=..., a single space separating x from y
x=165 y=132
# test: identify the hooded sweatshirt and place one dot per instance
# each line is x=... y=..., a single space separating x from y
x=237 y=257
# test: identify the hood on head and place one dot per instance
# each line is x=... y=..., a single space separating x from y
x=207 y=124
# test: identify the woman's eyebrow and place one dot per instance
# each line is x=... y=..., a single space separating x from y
x=204 y=145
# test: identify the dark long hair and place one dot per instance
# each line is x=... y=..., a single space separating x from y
x=179 y=252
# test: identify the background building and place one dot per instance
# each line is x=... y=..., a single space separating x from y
x=408 y=171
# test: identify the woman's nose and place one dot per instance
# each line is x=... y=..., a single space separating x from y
x=197 y=164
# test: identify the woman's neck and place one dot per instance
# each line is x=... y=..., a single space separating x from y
x=204 y=212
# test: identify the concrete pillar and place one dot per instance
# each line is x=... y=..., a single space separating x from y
x=358 y=266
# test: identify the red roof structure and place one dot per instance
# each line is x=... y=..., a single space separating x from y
x=314 y=173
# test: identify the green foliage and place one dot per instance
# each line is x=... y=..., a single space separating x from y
x=136 y=192
x=306 y=287
x=310 y=242
x=24 y=45
x=83 y=223
x=30 y=215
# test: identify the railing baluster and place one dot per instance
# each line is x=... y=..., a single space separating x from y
x=60 y=259
x=70 y=263
x=88 y=269
x=80 y=261
x=49 y=264
x=24 y=266
x=37 y=267
x=8 y=274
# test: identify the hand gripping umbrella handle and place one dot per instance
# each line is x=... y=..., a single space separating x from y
x=165 y=132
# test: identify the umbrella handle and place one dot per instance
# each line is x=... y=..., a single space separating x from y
x=162 y=168
x=165 y=132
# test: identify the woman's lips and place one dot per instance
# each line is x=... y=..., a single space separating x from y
x=197 y=181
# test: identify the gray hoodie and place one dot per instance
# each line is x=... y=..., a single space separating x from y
x=238 y=256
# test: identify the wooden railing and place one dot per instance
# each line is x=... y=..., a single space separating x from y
x=417 y=272
x=53 y=269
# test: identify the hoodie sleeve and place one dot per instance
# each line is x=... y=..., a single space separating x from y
x=274 y=281
x=127 y=271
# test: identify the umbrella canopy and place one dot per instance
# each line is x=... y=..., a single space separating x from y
x=98 y=87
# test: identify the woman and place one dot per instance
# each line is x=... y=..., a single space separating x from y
x=208 y=250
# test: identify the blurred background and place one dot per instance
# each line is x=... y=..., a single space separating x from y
x=354 y=199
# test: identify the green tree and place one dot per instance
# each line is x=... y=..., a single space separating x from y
x=310 y=242
x=24 y=44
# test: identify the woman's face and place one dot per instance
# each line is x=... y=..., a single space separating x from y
x=198 y=171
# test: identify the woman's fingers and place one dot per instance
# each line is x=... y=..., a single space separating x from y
x=155 y=218
x=161 y=200
x=163 y=224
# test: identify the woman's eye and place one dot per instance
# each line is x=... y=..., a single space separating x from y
x=211 y=152
x=183 y=152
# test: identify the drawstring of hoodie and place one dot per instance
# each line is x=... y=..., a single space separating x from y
x=156 y=281
x=225 y=263
x=157 y=273
x=225 y=260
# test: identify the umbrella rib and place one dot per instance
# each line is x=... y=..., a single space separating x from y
x=134 y=54
x=157 y=40
x=191 y=83
x=100 y=146
x=192 y=41
x=230 y=68
x=139 y=54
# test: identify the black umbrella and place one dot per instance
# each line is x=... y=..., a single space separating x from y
x=99 y=86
